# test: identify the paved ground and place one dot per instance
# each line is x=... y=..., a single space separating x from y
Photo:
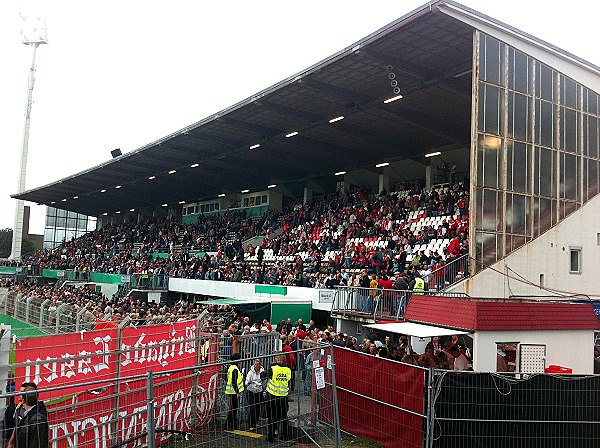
x=299 y=414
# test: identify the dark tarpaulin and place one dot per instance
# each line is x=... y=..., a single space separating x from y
x=490 y=410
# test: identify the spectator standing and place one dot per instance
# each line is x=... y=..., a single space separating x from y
x=31 y=421
x=254 y=394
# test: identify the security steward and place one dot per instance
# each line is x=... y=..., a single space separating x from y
x=234 y=389
x=279 y=375
x=417 y=286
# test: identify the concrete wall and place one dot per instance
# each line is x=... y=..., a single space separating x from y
x=549 y=255
x=245 y=291
x=567 y=348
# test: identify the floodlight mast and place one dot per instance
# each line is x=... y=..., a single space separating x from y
x=33 y=36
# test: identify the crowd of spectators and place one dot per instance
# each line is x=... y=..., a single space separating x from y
x=440 y=353
x=318 y=244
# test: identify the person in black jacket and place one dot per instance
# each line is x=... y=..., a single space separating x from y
x=31 y=421
x=9 y=415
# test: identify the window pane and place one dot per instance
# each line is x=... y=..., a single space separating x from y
x=518 y=115
x=543 y=215
x=590 y=181
x=544 y=176
x=574 y=261
x=518 y=167
x=519 y=71
x=487 y=250
x=568 y=92
x=545 y=84
x=488 y=160
x=569 y=125
x=492 y=110
x=488 y=216
x=566 y=208
x=590 y=132
x=544 y=121
x=569 y=178
x=517 y=213
x=590 y=100
x=492 y=60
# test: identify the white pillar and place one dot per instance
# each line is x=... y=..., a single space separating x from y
x=428 y=177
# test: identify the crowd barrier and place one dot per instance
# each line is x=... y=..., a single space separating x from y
x=162 y=384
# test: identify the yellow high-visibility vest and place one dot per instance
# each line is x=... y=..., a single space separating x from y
x=419 y=287
x=278 y=384
x=229 y=389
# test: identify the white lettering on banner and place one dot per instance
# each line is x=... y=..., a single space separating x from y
x=142 y=351
x=173 y=411
x=63 y=365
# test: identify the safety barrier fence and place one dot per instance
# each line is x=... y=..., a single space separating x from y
x=512 y=410
x=375 y=303
x=401 y=405
x=148 y=386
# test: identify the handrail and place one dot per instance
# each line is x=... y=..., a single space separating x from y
x=451 y=273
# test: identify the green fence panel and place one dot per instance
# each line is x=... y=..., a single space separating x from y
x=292 y=311
x=270 y=289
x=11 y=270
x=160 y=255
x=52 y=273
x=100 y=277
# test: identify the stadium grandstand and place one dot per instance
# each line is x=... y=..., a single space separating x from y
x=443 y=168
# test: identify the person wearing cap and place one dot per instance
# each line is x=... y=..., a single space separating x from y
x=233 y=389
x=279 y=376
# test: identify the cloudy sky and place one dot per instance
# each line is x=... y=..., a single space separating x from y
x=120 y=74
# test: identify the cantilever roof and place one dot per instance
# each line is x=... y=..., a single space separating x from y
x=430 y=54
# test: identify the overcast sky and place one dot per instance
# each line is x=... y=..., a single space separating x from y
x=120 y=74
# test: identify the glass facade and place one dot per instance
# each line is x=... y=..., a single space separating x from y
x=537 y=148
x=62 y=225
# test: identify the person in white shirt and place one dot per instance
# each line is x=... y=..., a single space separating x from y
x=460 y=360
x=254 y=387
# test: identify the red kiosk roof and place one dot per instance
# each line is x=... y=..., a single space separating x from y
x=477 y=315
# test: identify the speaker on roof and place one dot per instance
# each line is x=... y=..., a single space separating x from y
x=389 y=68
x=394 y=83
x=396 y=90
x=391 y=75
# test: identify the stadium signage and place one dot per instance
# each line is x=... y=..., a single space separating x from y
x=174 y=409
x=73 y=360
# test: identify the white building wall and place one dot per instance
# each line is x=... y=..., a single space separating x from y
x=246 y=291
x=567 y=348
x=549 y=255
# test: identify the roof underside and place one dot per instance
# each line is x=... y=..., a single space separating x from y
x=431 y=56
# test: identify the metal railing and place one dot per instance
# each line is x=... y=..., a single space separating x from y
x=375 y=303
x=451 y=273
x=176 y=401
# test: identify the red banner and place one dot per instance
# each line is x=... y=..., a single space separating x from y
x=70 y=360
x=86 y=422
x=370 y=392
x=158 y=348
x=75 y=359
